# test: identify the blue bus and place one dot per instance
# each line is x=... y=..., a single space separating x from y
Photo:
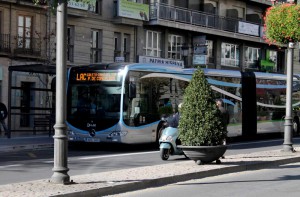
x=124 y=102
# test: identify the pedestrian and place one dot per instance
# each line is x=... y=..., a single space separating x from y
x=3 y=115
x=224 y=114
x=174 y=120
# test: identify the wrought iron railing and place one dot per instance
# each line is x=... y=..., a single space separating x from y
x=4 y=42
x=28 y=46
x=183 y=15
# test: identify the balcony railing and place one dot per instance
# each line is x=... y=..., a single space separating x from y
x=182 y=15
x=5 y=43
x=28 y=46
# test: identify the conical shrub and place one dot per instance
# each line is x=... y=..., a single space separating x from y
x=200 y=120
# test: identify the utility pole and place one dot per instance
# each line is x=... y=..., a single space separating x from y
x=60 y=169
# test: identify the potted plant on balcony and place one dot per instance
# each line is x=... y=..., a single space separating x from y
x=200 y=128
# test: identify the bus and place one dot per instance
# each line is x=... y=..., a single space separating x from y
x=124 y=102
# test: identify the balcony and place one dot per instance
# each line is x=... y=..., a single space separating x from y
x=28 y=46
x=5 y=43
x=172 y=16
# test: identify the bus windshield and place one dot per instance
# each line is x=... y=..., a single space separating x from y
x=97 y=100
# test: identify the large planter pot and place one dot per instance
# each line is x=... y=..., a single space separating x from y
x=204 y=154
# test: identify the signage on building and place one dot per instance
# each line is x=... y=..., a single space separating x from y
x=200 y=50
x=156 y=60
x=82 y=6
x=119 y=59
x=199 y=59
x=133 y=10
x=248 y=28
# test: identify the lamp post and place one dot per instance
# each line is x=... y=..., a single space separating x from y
x=281 y=22
x=60 y=169
x=288 y=123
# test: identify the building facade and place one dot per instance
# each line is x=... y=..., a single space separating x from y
x=220 y=34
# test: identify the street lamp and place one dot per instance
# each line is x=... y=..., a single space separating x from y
x=60 y=169
x=288 y=123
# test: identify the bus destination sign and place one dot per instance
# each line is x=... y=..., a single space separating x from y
x=86 y=76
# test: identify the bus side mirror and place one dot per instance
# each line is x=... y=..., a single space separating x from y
x=132 y=90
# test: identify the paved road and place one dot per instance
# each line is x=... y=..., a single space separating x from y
x=34 y=165
x=275 y=182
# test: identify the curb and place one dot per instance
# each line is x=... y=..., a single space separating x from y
x=25 y=147
x=157 y=182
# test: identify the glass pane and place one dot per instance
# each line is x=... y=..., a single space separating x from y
x=94 y=39
x=20 y=42
x=21 y=21
x=254 y=54
x=28 y=32
x=20 y=31
x=237 y=57
x=155 y=35
x=223 y=54
x=227 y=51
x=232 y=54
x=250 y=55
x=148 y=52
x=179 y=40
x=28 y=22
x=27 y=43
x=149 y=44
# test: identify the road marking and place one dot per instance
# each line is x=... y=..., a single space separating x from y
x=102 y=156
x=11 y=166
x=121 y=155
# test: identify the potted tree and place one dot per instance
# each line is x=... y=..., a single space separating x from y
x=200 y=128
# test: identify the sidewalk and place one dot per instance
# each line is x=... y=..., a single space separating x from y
x=25 y=143
x=120 y=181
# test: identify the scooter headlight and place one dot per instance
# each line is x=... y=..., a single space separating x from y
x=169 y=138
x=166 y=138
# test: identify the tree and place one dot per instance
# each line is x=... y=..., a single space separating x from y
x=200 y=120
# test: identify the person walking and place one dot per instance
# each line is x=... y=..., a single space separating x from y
x=224 y=114
x=3 y=115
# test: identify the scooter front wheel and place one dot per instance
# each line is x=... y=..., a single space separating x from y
x=164 y=153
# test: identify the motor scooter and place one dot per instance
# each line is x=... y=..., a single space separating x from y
x=168 y=142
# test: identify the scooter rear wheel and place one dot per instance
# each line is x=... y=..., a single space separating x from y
x=164 y=153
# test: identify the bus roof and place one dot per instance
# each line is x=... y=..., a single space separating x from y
x=164 y=68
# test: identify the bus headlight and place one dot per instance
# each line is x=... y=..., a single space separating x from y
x=117 y=133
